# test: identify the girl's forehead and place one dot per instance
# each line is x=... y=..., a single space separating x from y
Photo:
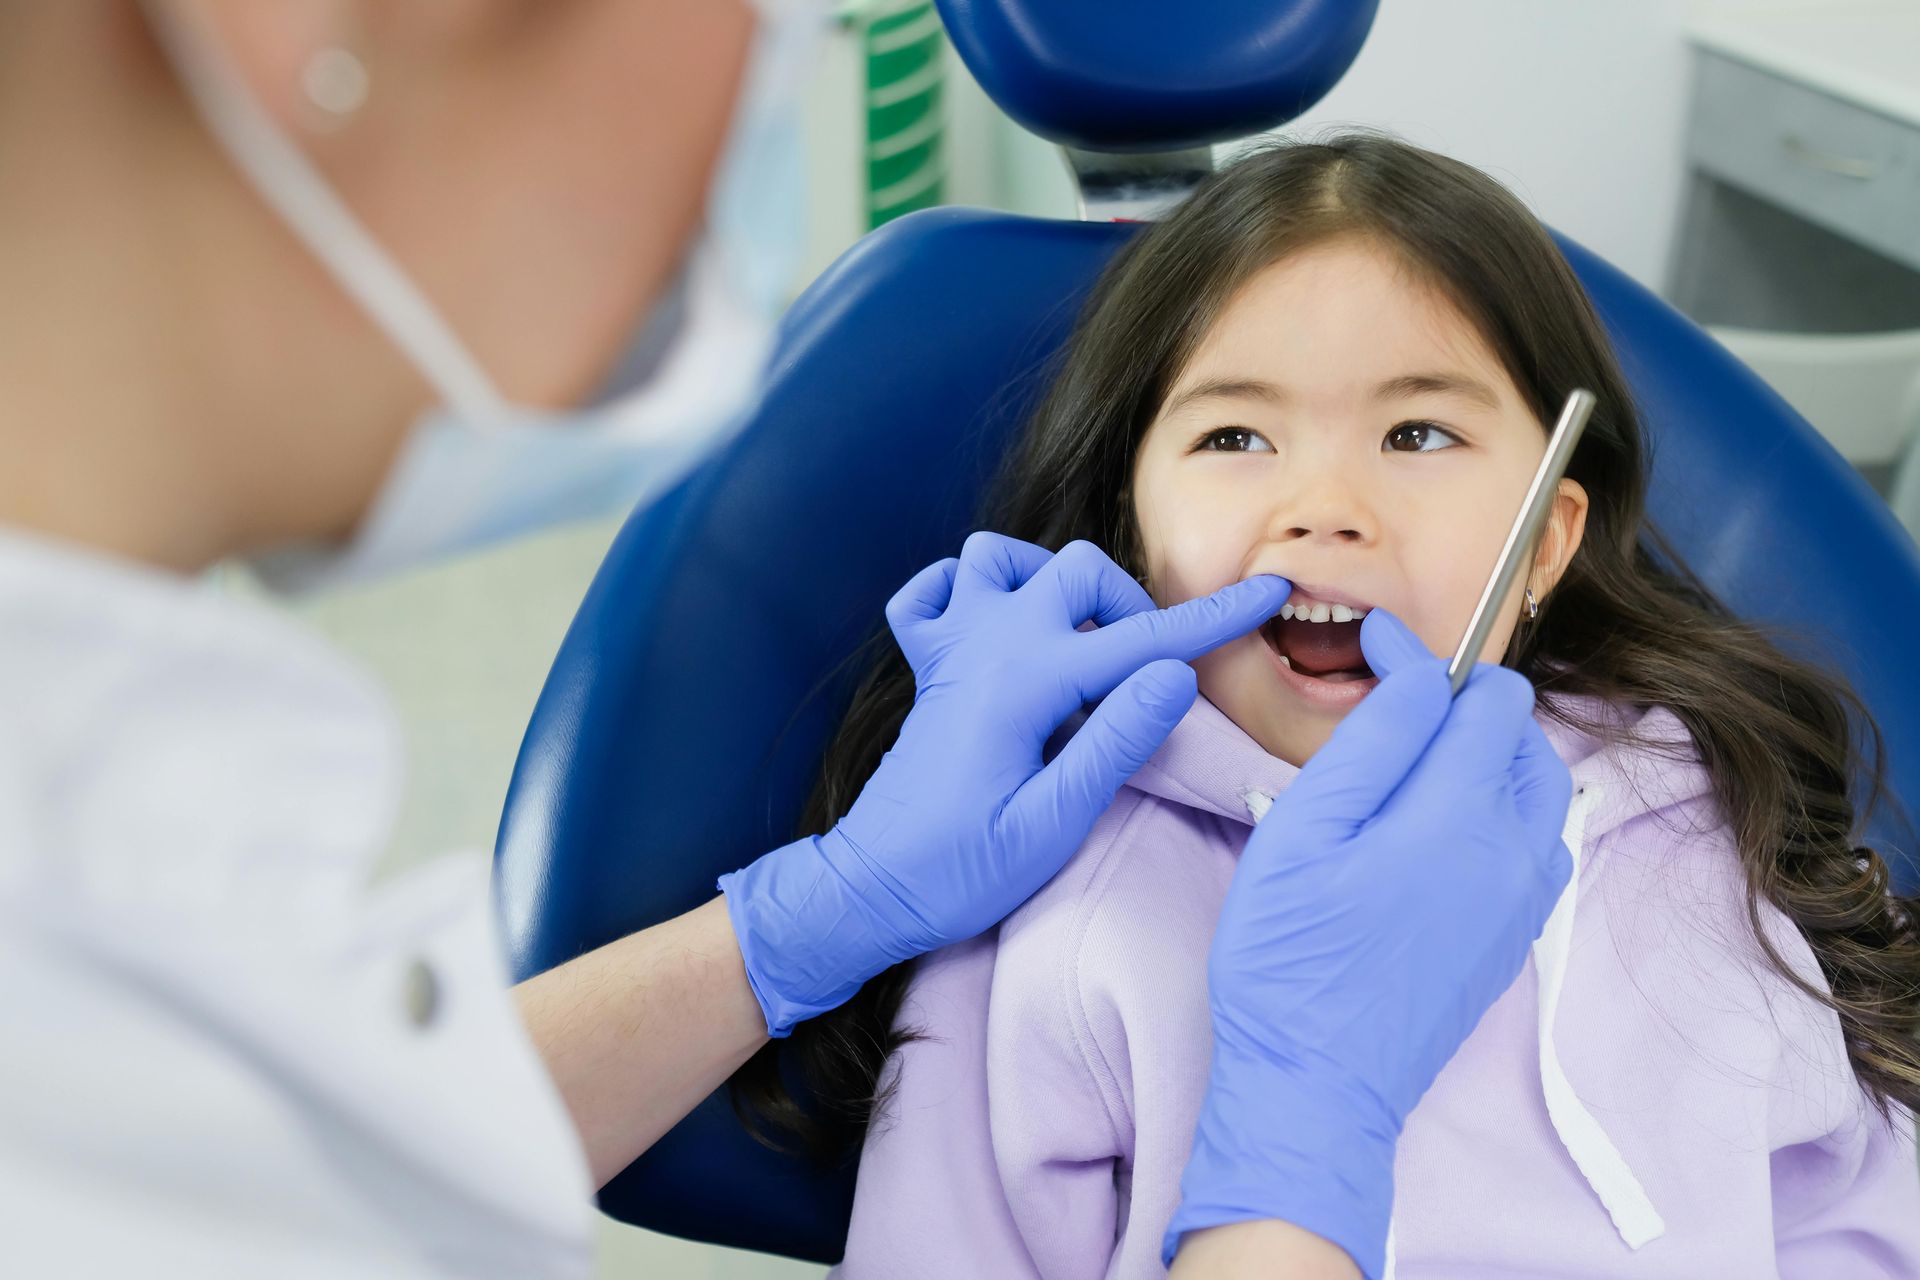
x=1341 y=315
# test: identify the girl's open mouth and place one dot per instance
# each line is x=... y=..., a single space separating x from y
x=1317 y=656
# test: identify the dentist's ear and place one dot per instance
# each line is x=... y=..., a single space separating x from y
x=1388 y=644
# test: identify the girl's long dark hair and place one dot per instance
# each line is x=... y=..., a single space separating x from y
x=1786 y=744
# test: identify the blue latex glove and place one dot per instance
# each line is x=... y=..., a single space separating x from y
x=961 y=822
x=1386 y=900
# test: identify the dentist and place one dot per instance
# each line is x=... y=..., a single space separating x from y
x=315 y=284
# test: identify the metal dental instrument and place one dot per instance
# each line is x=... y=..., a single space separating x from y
x=1525 y=534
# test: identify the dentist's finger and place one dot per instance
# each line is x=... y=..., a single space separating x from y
x=1185 y=631
x=1389 y=644
x=1057 y=806
x=993 y=562
x=922 y=600
x=1090 y=586
x=925 y=595
x=1372 y=752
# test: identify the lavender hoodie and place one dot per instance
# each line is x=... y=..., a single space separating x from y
x=1647 y=1099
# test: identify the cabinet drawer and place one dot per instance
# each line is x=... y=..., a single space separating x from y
x=1846 y=168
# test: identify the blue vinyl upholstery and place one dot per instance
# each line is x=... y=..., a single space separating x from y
x=689 y=703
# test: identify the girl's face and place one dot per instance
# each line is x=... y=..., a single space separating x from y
x=1344 y=426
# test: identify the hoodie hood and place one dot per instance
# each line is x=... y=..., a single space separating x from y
x=1209 y=763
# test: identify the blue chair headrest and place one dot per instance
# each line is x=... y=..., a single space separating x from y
x=1156 y=75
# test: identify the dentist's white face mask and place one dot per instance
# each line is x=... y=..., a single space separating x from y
x=478 y=469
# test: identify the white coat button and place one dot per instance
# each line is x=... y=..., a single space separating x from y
x=422 y=993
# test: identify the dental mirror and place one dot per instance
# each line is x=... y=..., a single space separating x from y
x=1525 y=534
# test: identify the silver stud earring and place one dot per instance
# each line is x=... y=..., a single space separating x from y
x=1533 y=606
x=335 y=81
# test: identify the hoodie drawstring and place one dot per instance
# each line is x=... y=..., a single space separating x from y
x=1598 y=1160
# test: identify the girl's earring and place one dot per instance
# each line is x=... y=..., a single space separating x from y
x=335 y=82
x=1533 y=605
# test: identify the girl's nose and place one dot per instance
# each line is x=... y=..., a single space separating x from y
x=1326 y=507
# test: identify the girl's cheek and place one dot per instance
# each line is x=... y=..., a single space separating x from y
x=1450 y=539
x=1442 y=602
x=1447 y=596
x=1199 y=556
x=1191 y=540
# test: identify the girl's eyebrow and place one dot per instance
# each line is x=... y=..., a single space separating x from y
x=1406 y=385
x=1225 y=388
x=1444 y=384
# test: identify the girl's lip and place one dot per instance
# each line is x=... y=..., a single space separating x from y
x=1333 y=696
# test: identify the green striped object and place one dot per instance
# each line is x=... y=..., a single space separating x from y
x=906 y=108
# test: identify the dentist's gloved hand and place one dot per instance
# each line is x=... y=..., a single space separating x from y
x=961 y=823
x=1380 y=907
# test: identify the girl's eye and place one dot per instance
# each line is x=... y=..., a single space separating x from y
x=1232 y=440
x=1420 y=437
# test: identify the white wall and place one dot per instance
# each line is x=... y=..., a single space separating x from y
x=1579 y=106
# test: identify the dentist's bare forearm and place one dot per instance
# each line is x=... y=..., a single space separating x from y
x=1261 y=1251
x=636 y=1033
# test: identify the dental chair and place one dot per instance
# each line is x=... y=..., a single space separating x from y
x=689 y=704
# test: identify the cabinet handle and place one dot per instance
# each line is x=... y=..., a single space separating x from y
x=1827 y=161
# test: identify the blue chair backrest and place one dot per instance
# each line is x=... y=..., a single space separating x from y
x=686 y=712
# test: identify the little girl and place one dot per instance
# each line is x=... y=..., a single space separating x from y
x=1334 y=363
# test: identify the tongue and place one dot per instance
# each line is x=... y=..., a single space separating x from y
x=1322 y=648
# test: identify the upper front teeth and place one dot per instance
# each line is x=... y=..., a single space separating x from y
x=1321 y=612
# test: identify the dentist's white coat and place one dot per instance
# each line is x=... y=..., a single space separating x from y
x=193 y=793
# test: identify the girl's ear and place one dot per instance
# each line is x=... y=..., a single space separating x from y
x=1566 y=526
